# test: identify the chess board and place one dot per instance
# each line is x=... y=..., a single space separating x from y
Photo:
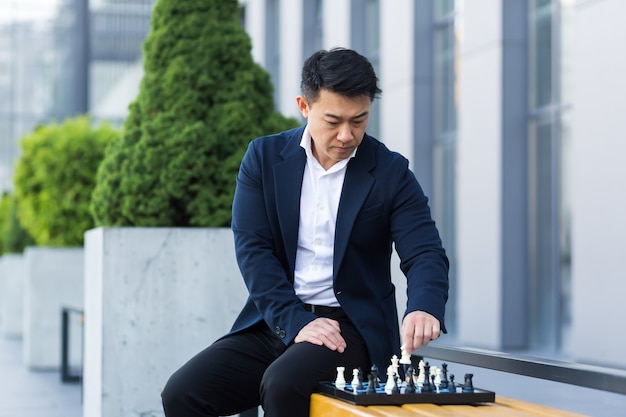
x=443 y=397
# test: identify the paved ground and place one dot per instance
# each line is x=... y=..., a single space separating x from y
x=25 y=393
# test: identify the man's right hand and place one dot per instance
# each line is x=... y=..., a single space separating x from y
x=322 y=331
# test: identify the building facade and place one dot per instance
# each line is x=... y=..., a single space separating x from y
x=508 y=111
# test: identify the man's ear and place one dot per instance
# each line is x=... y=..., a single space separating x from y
x=303 y=106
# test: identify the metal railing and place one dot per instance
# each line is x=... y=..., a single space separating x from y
x=588 y=376
x=66 y=371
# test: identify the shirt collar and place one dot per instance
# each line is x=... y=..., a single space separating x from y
x=305 y=143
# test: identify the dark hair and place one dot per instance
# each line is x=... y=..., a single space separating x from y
x=339 y=70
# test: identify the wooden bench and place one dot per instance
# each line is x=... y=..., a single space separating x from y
x=325 y=406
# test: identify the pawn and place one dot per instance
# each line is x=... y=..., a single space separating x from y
x=422 y=373
x=452 y=386
x=468 y=386
x=356 y=380
x=391 y=380
x=340 y=381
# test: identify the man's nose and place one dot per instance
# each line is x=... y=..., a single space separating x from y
x=345 y=134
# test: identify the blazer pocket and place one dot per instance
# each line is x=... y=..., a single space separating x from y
x=370 y=213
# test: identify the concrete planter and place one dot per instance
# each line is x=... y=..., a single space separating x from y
x=53 y=280
x=154 y=297
x=11 y=295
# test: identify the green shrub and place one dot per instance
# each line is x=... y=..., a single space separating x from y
x=13 y=237
x=202 y=99
x=54 y=179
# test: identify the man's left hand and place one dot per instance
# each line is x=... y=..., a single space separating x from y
x=419 y=328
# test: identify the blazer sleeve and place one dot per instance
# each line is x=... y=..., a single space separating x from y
x=259 y=253
x=422 y=257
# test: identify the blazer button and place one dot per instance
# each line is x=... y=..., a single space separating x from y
x=279 y=332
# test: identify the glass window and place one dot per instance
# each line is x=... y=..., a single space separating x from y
x=365 y=38
x=549 y=248
x=272 y=44
x=445 y=65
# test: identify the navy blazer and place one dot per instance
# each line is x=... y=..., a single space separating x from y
x=381 y=204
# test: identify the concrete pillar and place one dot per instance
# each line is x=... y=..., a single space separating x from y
x=53 y=280
x=154 y=297
x=11 y=295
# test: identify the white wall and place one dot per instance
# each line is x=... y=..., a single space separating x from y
x=291 y=56
x=397 y=76
x=479 y=177
x=337 y=23
x=598 y=150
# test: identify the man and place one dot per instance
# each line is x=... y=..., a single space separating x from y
x=315 y=214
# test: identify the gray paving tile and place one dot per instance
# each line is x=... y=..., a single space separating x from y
x=25 y=393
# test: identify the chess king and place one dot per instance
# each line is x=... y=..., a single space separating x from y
x=316 y=213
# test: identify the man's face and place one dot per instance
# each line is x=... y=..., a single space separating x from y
x=336 y=123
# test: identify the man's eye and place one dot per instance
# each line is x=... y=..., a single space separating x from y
x=332 y=123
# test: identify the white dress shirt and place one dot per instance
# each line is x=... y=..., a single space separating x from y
x=319 y=202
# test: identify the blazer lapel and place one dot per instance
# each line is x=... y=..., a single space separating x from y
x=356 y=186
x=288 y=181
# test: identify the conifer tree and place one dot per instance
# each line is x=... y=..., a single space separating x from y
x=54 y=179
x=201 y=100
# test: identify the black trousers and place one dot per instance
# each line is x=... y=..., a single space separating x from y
x=252 y=368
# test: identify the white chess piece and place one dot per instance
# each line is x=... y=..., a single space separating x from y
x=420 y=377
x=390 y=380
x=437 y=376
x=405 y=358
x=394 y=364
x=355 y=378
x=340 y=382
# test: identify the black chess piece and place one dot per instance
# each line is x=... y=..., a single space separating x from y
x=374 y=371
x=394 y=388
x=371 y=384
x=426 y=387
x=452 y=385
x=410 y=383
x=443 y=385
x=468 y=386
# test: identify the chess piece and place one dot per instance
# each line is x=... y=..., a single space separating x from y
x=426 y=387
x=356 y=380
x=340 y=381
x=371 y=384
x=410 y=382
x=395 y=364
x=468 y=386
x=374 y=371
x=444 y=376
x=435 y=377
x=391 y=380
x=405 y=360
x=421 y=374
x=452 y=386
